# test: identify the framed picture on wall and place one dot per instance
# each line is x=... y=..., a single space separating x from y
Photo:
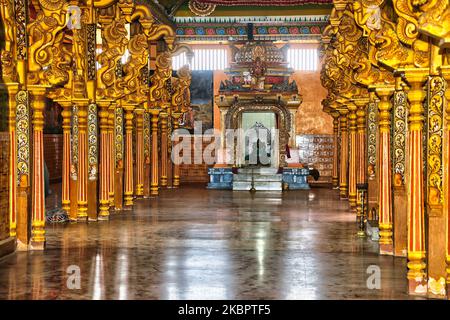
x=201 y=109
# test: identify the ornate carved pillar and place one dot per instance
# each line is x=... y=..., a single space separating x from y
x=416 y=220
x=384 y=169
x=66 y=125
x=154 y=163
x=176 y=167
x=436 y=266
x=399 y=135
x=105 y=174
x=361 y=104
x=128 y=185
x=445 y=72
x=23 y=141
x=147 y=154
x=73 y=193
x=92 y=154
x=372 y=157
x=139 y=152
x=335 y=174
x=38 y=93
x=163 y=120
x=117 y=157
x=343 y=185
x=13 y=89
x=82 y=158
x=115 y=171
x=352 y=155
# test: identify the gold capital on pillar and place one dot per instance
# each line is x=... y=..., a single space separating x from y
x=384 y=175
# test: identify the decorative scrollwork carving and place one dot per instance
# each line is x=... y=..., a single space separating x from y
x=118 y=123
x=435 y=122
x=23 y=134
x=74 y=141
x=400 y=114
x=181 y=98
x=372 y=110
x=92 y=141
x=163 y=72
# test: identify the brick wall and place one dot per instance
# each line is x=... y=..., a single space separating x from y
x=53 y=153
x=4 y=176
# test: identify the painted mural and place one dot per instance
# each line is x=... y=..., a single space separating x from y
x=202 y=101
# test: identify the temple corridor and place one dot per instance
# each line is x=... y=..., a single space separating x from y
x=193 y=243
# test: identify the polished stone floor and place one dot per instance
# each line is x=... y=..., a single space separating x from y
x=194 y=243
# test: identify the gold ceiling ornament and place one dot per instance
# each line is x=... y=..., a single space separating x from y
x=201 y=9
x=435 y=21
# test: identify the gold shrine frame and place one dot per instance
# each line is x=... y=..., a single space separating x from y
x=234 y=114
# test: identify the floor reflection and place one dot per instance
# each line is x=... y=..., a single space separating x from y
x=197 y=244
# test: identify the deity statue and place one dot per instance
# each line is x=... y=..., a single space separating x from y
x=258 y=71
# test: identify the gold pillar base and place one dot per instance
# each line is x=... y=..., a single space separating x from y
x=417 y=282
x=37 y=236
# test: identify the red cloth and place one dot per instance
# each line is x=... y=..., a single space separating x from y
x=263 y=2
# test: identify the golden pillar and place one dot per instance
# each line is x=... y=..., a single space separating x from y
x=343 y=185
x=335 y=173
x=352 y=155
x=128 y=185
x=147 y=155
x=417 y=282
x=111 y=158
x=139 y=152
x=66 y=126
x=445 y=73
x=82 y=159
x=176 y=167
x=105 y=159
x=154 y=163
x=116 y=156
x=384 y=169
x=399 y=138
x=38 y=93
x=163 y=120
x=12 y=88
x=361 y=104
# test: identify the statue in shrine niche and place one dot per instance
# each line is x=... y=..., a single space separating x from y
x=258 y=138
x=258 y=71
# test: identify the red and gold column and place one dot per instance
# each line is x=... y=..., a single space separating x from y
x=176 y=167
x=38 y=93
x=416 y=218
x=105 y=173
x=343 y=169
x=163 y=121
x=154 y=187
x=111 y=156
x=66 y=125
x=445 y=73
x=139 y=192
x=335 y=173
x=384 y=169
x=12 y=88
x=128 y=185
x=352 y=155
x=82 y=159
x=147 y=154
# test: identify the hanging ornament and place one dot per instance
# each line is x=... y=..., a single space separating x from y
x=201 y=9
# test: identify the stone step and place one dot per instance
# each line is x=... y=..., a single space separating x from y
x=259 y=186
x=258 y=177
x=258 y=170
